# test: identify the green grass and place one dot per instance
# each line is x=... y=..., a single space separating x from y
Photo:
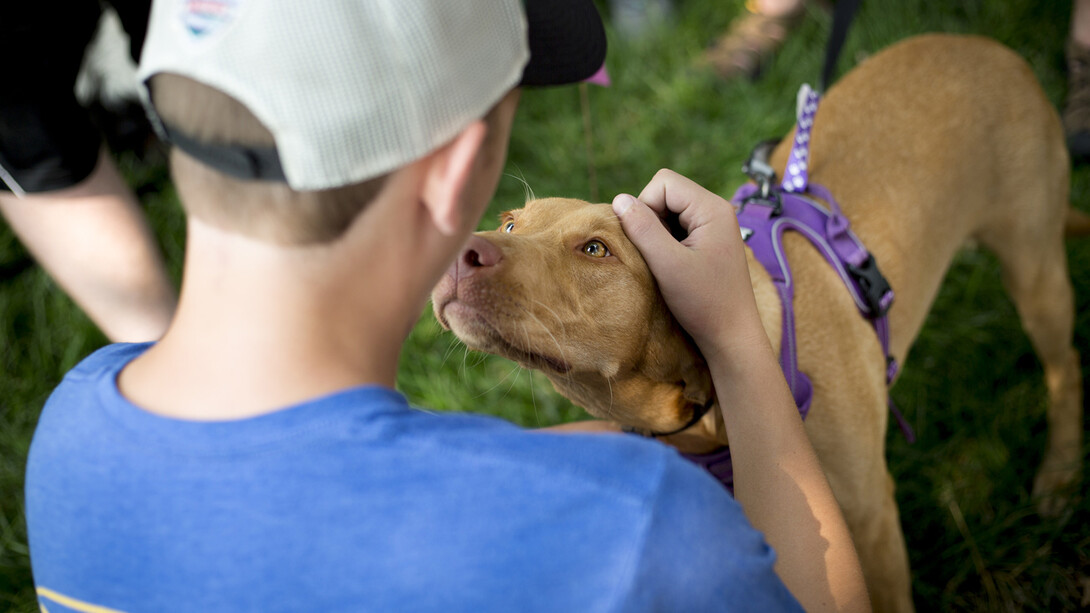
x=972 y=386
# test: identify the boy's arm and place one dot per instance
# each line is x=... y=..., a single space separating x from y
x=705 y=282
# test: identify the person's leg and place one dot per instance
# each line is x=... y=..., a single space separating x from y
x=59 y=191
x=1076 y=115
x=93 y=240
x=752 y=38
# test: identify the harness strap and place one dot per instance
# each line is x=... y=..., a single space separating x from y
x=796 y=174
x=829 y=231
x=718 y=463
x=765 y=226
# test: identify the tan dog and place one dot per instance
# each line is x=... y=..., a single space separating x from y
x=934 y=142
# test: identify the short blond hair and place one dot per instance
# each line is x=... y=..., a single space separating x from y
x=266 y=210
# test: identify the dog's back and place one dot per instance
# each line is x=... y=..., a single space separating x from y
x=933 y=142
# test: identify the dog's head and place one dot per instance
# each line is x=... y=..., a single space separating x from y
x=558 y=287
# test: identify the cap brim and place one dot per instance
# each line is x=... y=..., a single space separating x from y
x=567 y=42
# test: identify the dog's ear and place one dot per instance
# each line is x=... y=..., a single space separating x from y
x=695 y=376
x=695 y=396
x=673 y=357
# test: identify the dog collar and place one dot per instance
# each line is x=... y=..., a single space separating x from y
x=698 y=414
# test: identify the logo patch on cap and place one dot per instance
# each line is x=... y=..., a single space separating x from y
x=202 y=18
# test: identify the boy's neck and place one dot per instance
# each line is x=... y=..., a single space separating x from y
x=260 y=327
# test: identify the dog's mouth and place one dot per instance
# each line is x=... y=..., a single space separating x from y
x=477 y=332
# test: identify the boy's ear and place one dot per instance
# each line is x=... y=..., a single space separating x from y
x=448 y=174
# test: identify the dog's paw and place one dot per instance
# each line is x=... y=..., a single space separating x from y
x=1053 y=487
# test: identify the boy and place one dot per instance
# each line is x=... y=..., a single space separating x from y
x=332 y=162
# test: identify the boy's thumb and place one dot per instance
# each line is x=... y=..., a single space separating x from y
x=642 y=226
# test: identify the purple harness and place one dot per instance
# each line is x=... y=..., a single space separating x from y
x=764 y=214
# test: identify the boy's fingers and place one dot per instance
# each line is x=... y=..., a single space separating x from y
x=643 y=227
x=671 y=193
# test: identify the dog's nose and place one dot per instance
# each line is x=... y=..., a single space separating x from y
x=478 y=253
x=478 y=256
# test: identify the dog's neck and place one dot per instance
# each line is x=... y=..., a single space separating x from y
x=769 y=305
x=710 y=433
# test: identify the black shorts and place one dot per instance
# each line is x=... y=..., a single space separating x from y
x=47 y=140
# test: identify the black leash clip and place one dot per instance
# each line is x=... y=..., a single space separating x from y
x=876 y=290
x=761 y=172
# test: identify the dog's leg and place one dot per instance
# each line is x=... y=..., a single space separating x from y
x=1035 y=274
x=848 y=420
x=880 y=543
x=850 y=441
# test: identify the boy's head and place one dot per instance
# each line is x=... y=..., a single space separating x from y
x=289 y=115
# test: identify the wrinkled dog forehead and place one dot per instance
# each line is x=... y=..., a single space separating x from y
x=572 y=261
x=555 y=213
x=578 y=219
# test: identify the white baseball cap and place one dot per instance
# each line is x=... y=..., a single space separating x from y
x=352 y=89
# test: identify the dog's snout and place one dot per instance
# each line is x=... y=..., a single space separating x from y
x=479 y=253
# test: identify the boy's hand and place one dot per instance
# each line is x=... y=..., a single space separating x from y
x=704 y=278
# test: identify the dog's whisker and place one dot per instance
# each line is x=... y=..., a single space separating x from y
x=452 y=346
x=563 y=328
x=559 y=321
x=516 y=368
x=533 y=398
x=560 y=348
x=563 y=333
x=528 y=192
x=609 y=409
x=518 y=372
x=533 y=401
x=465 y=365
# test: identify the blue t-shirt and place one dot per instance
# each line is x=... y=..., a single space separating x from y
x=359 y=502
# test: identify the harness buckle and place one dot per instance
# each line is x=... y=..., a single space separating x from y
x=876 y=290
x=765 y=177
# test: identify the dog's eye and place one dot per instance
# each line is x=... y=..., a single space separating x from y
x=509 y=226
x=596 y=249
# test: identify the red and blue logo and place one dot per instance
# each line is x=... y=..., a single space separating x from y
x=204 y=17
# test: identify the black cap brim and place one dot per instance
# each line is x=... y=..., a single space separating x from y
x=567 y=42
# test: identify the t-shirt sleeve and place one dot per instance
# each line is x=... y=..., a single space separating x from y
x=700 y=553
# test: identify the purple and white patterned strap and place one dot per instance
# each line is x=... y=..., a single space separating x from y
x=795 y=176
